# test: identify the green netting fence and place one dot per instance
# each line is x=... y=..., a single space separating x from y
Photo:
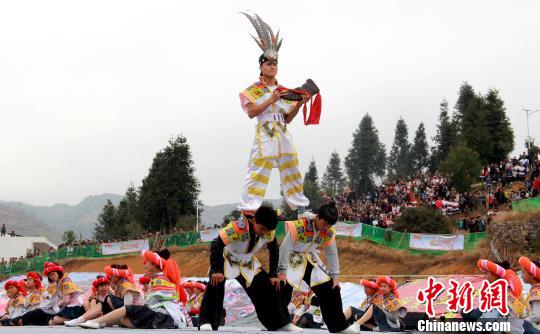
x=388 y=238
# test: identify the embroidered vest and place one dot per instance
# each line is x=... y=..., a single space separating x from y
x=304 y=237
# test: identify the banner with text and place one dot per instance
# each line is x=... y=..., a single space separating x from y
x=444 y=242
x=131 y=246
x=209 y=235
x=349 y=230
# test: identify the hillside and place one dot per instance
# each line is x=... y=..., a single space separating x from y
x=61 y=217
x=356 y=258
x=24 y=224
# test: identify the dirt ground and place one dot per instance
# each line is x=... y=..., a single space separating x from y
x=356 y=258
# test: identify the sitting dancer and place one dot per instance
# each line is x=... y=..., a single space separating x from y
x=371 y=289
x=232 y=256
x=308 y=315
x=70 y=295
x=531 y=275
x=195 y=292
x=517 y=308
x=42 y=314
x=163 y=304
x=99 y=302
x=299 y=261
x=386 y=312
x=15 y=307
x=34 y=296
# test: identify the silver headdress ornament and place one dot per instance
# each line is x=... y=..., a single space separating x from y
x=267 y=41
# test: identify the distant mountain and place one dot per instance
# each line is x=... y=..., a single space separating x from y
x=52 y=221
x=22 y=223
x=62 y=217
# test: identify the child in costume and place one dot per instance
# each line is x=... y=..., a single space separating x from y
x=45 y=311
x=308 y=315
x=373 y=297
x=99 y=302
x=517 y=307
x=387 y=311
x=34 y=296
x=531 y=275
x=232 y=256
x=15 y=307
x=163 y=304
x=71 y=298
x=195 y=291
x=299 y=261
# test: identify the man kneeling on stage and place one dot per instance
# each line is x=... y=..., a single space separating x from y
x=232 y=255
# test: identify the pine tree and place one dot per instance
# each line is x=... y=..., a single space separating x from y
x=500 y=134
x=420 y=154
x=462 y=109
x=333 y=180
x=170 y=190
x=400 y=161
x=366 y=158
x=445 y=138
x=105 y=222
x=462 y=167
x=312 y=189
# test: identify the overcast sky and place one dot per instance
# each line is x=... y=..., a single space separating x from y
x=91 y=90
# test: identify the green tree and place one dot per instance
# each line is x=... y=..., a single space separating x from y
x=462 y=109
x=400 y=163
x=170 y=190
x=312 y=190
x=420 y=154
x=500 y=134
x=445 y=138
x=422 y=220
x=106 y=222
x=69 y=237
x=333 y=180
x=462 y=167
x=366 y=158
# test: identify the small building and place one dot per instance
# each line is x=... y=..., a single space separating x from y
x=21 y=246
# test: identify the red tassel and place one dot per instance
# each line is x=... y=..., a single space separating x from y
x=315 y=111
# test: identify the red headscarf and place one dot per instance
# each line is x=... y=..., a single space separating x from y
x=370 y=284
x=144 y=280
x=390 y=282
x=169 y=268
x=516 y=287
x=194 y=285
x=529 y=266
x=121 y=273
x=18 y=284
x=37 y=279
x=49 y=267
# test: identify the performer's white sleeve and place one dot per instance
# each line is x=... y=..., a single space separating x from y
x=332 y=259
x=284 y=251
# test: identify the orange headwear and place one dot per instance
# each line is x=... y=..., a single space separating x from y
x=390 y=282
x=99 y=281
x=194 y=285
x=529 y=266
x=37 y=279
x=516 y=287
x=169 y=268
x=121 y=273
x=370 y=284
x=49 y=267
x=17 y=284
x=144 y=280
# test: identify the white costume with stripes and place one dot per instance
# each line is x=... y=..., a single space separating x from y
x=273 y=147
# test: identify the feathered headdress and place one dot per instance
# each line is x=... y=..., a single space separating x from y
x=267 y=41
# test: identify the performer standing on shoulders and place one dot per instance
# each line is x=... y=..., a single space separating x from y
x=273 y=146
